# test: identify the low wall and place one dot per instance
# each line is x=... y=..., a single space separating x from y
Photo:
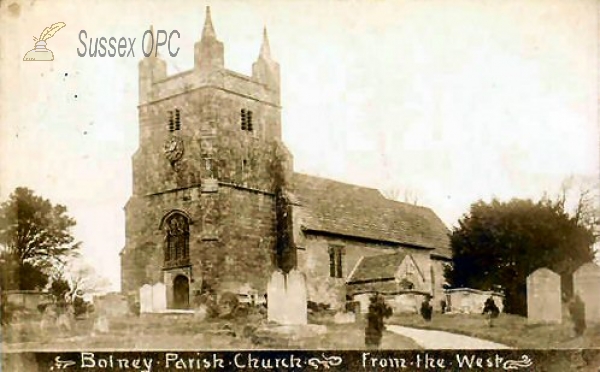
x=27 y=299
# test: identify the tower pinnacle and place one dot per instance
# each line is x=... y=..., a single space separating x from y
x=150 y=43
x=209 y=30
x=208 y=51
x=265 y=49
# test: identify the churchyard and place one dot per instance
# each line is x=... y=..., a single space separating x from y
x=512 y=330
x=187 y=332
x=288 y=324
x=550 y=322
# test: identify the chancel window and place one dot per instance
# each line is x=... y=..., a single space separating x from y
x=177 y=239
x=336 y=254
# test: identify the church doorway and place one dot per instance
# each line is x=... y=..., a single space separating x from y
x=181 y=292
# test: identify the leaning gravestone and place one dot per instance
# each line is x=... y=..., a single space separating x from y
x=544 y=297
x=146 y=298
x=586 y=284
x=159 y=298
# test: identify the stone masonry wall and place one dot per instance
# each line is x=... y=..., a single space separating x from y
x=210 y=129
x=313 y=259
x=237 y=251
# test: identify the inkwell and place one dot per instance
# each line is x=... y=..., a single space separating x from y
x=40 y=53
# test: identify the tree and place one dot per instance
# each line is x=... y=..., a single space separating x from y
x=78 y=277
x=501 y=243
x=407 y=195
x=34 y=236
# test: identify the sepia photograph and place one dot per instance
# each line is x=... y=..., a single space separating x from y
x=340 y=185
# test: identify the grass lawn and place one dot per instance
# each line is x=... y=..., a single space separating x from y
x=511 y=330
x=184 y=332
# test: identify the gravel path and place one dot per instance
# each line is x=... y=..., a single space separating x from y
x=443 y=340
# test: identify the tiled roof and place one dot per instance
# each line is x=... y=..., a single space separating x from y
x=341 y=208
x=377 y=268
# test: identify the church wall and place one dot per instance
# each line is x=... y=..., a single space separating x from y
x=248 y=233
x=211 y=128
x=232 y=238
x=439 y=280
x=145 y=239
x=313 y=259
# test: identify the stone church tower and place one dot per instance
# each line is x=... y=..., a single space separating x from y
x=202 y=215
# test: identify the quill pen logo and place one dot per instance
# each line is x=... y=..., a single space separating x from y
x=40 y=52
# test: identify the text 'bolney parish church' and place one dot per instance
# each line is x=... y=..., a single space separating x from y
x=216 y=205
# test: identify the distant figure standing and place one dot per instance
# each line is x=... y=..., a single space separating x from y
x=426 y=309
x=491 y=310
x=378 y=310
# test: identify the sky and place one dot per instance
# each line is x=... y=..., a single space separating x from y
x=443 y=103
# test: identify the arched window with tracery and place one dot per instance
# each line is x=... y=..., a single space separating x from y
x=177 y=240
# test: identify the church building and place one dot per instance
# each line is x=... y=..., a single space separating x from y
x=216 y=205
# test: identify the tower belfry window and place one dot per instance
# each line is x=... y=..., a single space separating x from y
x=244 y=123
x=177 y=120
x=174 y=120
x=246 y=120
x=249 y=120
x=171 y=122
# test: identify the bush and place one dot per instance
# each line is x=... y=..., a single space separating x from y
x=315 y=307
x=577 y=310
x=378 y=310
x=80 y=306
x=134 y=307
x=229 y=301
x=353 y=307
x=491 y=308
x=426 y=309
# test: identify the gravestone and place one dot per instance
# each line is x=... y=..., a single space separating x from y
x=100 y=325
x=146 y=298
x=586 y=284
x=544 y=297
x=200 y=312
x=48 y=318
x=276 y=297
x=296 y=307
x=344 y=318
x=65 y=318
x=159 y=298
x=286 y=298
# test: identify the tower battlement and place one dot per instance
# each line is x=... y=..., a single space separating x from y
x=209 y=71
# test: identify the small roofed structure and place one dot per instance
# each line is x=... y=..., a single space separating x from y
x=396 y=276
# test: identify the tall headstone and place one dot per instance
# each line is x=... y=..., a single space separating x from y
x=544 y=297
x=159 y=297
x=586 y=284
x=286 y=298
x=146 y=298
x=276 y=297
x=296 y=310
